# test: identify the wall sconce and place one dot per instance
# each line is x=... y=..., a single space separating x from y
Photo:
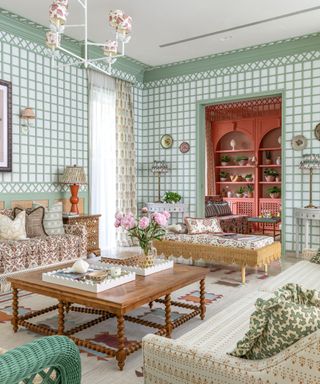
x=26 y=115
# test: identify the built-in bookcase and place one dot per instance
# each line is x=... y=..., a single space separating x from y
x=254 y=133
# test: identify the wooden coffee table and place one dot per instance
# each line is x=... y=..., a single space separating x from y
x=116 y=302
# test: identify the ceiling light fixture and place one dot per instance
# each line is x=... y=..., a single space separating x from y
x=122 y=24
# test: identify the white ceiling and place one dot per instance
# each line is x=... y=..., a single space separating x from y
x=160 y=22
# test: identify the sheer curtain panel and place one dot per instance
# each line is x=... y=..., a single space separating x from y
x=102 y=155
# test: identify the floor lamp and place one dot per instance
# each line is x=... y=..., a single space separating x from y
x=159 y=168
x=310 y=162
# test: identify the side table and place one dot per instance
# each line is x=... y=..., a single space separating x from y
x=92 y=224
x=267 y=220
x=304 y=216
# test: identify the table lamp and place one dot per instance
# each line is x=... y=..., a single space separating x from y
x=74 y=176
x=159 y=168
x=310 y=162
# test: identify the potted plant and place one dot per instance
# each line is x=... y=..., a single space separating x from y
x=270 y=174
x=242 y=160
x=171 y=197
x=268 y=158
x=274 y=192
x=250 y=190
x=225 y=160
x=224 y=176
x=240 y=192
x=249 y=177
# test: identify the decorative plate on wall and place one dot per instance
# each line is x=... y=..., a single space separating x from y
x=166 y=141
x=317 y=131
x=184 y=147
x=299 y=143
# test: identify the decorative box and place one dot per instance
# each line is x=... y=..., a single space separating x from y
x=77 y=280
x=159 y=265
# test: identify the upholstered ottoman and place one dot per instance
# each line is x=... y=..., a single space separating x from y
x=243 y=250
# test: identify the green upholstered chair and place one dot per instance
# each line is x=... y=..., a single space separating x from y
x=49 y=360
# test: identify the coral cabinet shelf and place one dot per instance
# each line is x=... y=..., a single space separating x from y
x=235 y=166
x=234 y=151
x=253 y=128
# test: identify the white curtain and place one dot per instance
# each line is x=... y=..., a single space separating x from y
x=102 y=153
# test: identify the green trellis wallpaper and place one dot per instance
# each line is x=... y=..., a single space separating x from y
x=170 y=106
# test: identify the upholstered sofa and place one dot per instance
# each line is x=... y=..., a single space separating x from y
x=20 y=255
x=200 y=356
x=228 y=221
x=53 y=359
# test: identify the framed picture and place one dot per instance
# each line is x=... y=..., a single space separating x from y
x=5 y=126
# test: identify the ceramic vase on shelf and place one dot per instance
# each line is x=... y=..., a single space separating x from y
x=278 y=160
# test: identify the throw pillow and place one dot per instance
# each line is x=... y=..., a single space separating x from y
x=222 y=209
x=52 y=222
x=277 y=323
x=210 y=210
x=196 y=226
x=13 y=229
x=34 y=221
x=316 y=259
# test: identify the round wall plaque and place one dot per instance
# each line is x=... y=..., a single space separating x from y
x=166 y=141
x=299 y=143
x=184 y=147
x=317 y=131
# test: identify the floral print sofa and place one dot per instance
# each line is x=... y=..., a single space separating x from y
x=22 y=255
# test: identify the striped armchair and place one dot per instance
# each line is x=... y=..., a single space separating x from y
x=49 y=360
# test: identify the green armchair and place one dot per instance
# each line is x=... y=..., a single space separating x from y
x=49 y=360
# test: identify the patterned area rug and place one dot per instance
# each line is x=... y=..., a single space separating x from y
x=223 y=287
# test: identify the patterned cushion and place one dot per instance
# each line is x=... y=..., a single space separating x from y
x=52 y=222
x=210 y=210
x=222 y=209
x=316 y=258
x=34 y=221
x=13 y=229
x=282 y=320
x=197 y=226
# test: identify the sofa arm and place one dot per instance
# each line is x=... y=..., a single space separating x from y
x=81 y=231
x=58 y=353
x=175 y=363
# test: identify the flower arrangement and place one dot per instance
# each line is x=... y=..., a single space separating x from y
x=225 y=159
x=242 y=159
x=143 y=228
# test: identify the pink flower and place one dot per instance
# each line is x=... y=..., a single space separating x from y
x=117 y=223
x=128 y=221
x=119 y=215
x=160 y=219
x=166 y=214
x=144 y=210
x=144 y=222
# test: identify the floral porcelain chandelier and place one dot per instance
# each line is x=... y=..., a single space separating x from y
x=112 y=49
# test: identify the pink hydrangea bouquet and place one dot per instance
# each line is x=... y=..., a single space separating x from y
x=143 y=228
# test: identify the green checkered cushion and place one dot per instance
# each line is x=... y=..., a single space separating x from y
x=316 y=259
x=291 y=314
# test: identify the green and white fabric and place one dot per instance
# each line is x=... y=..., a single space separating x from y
x=52 y=222
x=278 y=322
x=316 y=258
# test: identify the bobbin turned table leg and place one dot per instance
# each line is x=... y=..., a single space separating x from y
x=61 y=318
x=15 y=309
x=167 y=302
x=202 y=299
x=121 y=353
